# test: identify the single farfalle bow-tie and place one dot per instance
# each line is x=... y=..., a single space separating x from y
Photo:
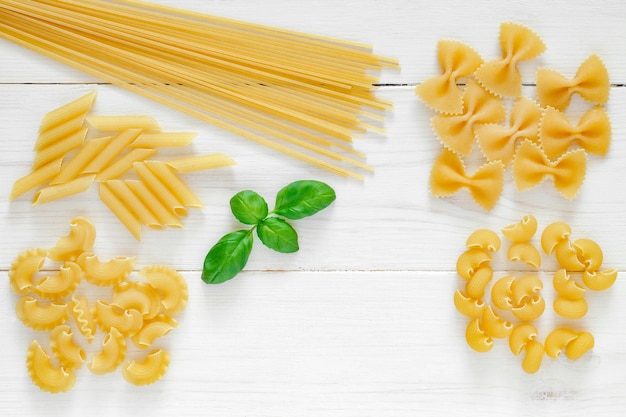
x=448 y=176
x=531 y=166
x=591 y=82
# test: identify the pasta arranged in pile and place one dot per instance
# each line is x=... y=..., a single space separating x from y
x=517 y=301
x=67 y=162
x=537 y=139
x=128 y=311
x=303 y=95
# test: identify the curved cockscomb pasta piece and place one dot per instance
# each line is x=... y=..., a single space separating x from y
x=531 y=166
x=557 y=340
x=570 y=308
x=170 y=285
x=494 y=325
x=521 y=231
x=592 y=132
x=456 y=132
x=59 y=285
x=567 y=256
x=525 y=288
x=477 y=338
x=41 y=317
x=475 y=287
x=589 y=253
x=579 y=346
x=105 y=274
x=497 y=142
x=448 y=176
x=139 y=296
x=24 y=267
x=80 y=239
x=68 y=353
x=524 y=252
x=502 y=294
x=520 y=336
x=484 y=239
x=467 y=306
x=566 y=287
x=47 y=377
x=531 y=309
x=112 y=354
x=83 y=317
x=441 y=93
x=591 y=82
x=599 y=280
x=153 y=329
x=148 y=371
x=502 y=76
x=127 y=322
x=534 y=356
x=470 y=261
x=553 y=234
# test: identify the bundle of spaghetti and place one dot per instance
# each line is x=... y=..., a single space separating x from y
x=304 y=95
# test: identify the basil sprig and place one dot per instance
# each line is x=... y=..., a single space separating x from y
x=295 y=201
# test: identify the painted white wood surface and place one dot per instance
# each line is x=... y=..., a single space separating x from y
x=360 y=322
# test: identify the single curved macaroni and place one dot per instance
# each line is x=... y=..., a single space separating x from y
x=589 y=253
x=153 y=329
x=498 y=142
x=570 y=308
x=521 y=231
x=23 y=267
x=533 y=357
x=41 y=317
x=566 y=287
x=579 y=346
x=475 y=287
x=61 y=284
x=68 y=353
x=44 y=374
x=520 y=336
x=441 y=93
x=448 y=176
x=171 y=286
x=112 y=354
x=484 y=239
x=557 y=340
x=553 y=234
x=524 y=252
x=494 y=325
x=108 y=317
x=148 y=371
x=530 y=309
x=83 y=317
x=599 y=280
x=591 y=82
x=139 y=296
x=477 y=338
x=502 y=294
x=470 y=261
x=80 y=239
x=479 y=106
x=531 y=166
x=567 y=256
x=467 y=306
x=105 y=274
x=525 y=288
x=502 y=76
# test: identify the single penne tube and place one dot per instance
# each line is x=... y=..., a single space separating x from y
x=35 y=178
x=54 y=192
x=163 y=139
x=159 y=189
x=162 y=213
x=60 y=149
x=134 y=204
x=111 y=151
x=71 y=110
x=174 y=184
x=117 y=123
x=201 y=162
x=80 y=161
x=59 y=132
x=119 y=209
x=124 y=163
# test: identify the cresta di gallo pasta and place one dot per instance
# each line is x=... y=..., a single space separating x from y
x=516 y=300
x=135 y=311
x=538 y=139
x=67 y=162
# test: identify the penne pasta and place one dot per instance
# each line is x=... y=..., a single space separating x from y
x=174 y=184
x=201 y=162
x=55 y=192
x=71 y=110
x=124 y=163
x=120 y=210
x=35 y=178
x=162 y=213
x=163 y=139
x=111 y=151
x=117 y=123
x=160 y=190
x=135 y=205
x=80 y=161
x=59 y=149
x=57 y=133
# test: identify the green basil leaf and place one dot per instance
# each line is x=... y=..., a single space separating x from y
x=227 y=257
x=248 y=207
x=277 y=234
x=303 y=198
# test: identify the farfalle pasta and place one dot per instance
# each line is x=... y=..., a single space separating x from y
x=507 y=307
x=126 y=309
x=591 y=82
x=441 y=93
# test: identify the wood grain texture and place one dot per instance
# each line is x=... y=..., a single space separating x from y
x=360 y=322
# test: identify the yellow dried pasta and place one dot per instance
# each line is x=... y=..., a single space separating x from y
x=470 y=261
x=171 y=286
x=149 y=370
x=524 y=252
x=521 y=231
x=80 y=239
x=65 y=350
x=61 y=284
x=139 y=296
x=71 y=110
x=105 y=274
x=40 y=316
x=112 y=354
x=24 y=267
x=484 y=239
x=44 y=374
